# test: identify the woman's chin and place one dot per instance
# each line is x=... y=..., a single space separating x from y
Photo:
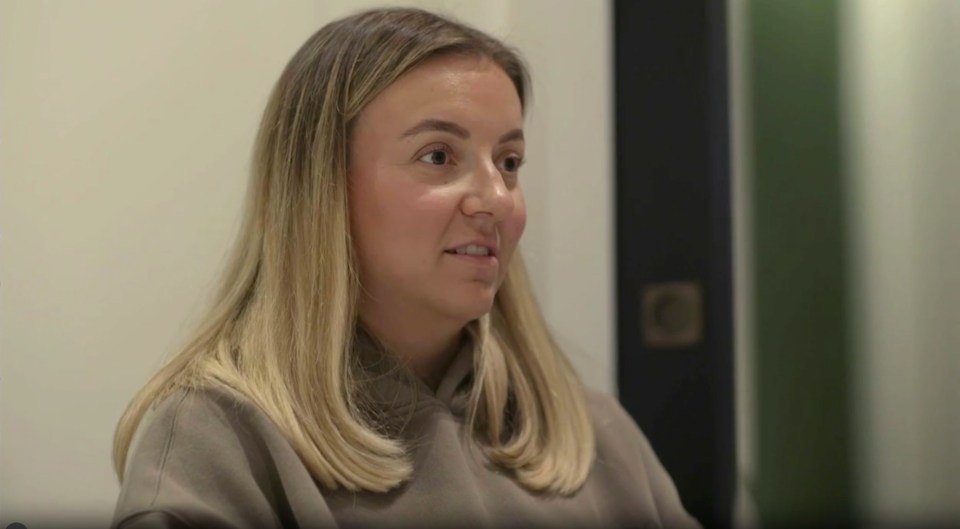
x=471 y=308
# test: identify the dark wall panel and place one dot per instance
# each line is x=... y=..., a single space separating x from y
x=673 y=225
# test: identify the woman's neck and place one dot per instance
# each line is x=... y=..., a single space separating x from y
x=427 y=347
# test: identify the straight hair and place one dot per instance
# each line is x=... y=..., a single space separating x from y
x=282 y=327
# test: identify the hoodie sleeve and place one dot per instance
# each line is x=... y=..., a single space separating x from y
x=211 y=459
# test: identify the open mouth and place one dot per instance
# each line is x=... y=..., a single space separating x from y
x=472 y=249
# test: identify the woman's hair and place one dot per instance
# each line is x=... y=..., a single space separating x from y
x=282 y=327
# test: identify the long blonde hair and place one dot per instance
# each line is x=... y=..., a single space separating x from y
x=282 y=326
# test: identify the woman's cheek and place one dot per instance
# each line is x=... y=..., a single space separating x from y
x=518 y=219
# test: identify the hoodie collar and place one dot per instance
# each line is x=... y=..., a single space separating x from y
x=392 y=389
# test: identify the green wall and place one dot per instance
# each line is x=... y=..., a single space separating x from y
x=802 y=350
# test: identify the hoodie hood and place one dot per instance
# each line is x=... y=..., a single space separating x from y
x=390 y=389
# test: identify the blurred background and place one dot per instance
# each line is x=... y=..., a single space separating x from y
x=793 y=166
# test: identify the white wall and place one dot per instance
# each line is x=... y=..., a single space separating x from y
x=745 y=515
x=126 y=129
x=901 y=79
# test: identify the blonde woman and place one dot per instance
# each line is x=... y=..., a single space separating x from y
x=374 y=356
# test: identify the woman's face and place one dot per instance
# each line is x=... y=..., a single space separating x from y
x=435 y=207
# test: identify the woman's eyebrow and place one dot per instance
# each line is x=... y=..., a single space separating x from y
x=432 y=125
x=515 y=134
x=437 y=125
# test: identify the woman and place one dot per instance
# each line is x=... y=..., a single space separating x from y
x=374 y=356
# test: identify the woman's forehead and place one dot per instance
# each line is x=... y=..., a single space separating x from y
x=465 y=90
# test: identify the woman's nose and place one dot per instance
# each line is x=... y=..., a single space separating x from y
x=489 y=193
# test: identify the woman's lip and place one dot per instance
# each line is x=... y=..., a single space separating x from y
x=477 y=259
x=492 y=247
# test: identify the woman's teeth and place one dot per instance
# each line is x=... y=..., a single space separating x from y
x=472 y=250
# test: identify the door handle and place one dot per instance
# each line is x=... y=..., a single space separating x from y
x=672 y=314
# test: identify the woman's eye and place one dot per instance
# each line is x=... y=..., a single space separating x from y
x=436 y=157
x=512 y=164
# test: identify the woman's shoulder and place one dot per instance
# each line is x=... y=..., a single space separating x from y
x=627 y=460
x=611 y=420
x=206 y=456
x=184 y=419
x=214 y=405
x=618 y=435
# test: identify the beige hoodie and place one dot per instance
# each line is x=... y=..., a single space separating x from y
x=211 y=458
